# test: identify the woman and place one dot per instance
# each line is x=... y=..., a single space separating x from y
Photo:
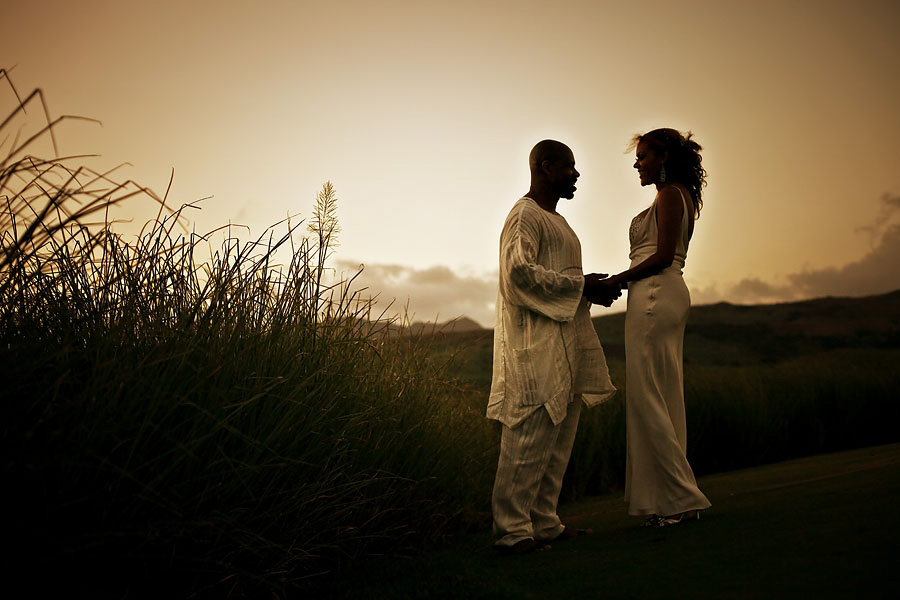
x=659 y=482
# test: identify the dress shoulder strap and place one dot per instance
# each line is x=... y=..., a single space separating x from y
x=687 y=205
x=685 y=218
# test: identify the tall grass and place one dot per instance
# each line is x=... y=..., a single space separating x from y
x=223 y=424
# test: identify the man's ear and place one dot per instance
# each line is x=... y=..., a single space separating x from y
x=545 y=166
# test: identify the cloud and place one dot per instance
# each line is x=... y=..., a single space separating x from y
x=889 y=207
x=877 y=272
x=433 y=294
x=756 y=290
x=439 y=293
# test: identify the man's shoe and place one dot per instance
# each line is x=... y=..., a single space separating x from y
x=569 y=533
x=525 y=546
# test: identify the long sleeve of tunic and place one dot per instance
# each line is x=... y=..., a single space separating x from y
x=546 y=351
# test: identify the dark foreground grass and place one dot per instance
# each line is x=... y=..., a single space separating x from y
x=187 y=415
x=819 y=527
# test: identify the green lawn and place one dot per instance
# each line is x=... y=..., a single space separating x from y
x=819 y=527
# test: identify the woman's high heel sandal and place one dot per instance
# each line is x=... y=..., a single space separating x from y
x=652 y=521
x=688 y=515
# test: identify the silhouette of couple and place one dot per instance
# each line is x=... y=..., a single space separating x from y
x=548 y=360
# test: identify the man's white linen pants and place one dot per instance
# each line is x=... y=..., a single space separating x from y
x=533 y=460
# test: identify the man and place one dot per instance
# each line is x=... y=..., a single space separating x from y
x=547 y=357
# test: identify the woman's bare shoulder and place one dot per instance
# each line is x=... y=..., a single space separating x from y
x=670 y=193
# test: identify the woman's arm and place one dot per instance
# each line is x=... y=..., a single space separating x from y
x=669 y=210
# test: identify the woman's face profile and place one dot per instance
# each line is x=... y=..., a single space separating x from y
x=647 y=162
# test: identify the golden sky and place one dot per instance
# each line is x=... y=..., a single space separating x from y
x=422 y=115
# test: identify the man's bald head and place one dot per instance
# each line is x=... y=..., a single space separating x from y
x=553 y=173
x=549 y=150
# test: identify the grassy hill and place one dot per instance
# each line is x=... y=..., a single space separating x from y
x=762 y=384
x=726 y=334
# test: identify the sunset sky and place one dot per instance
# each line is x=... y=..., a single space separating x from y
x=422 y=115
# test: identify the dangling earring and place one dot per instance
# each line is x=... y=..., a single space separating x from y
x=662 y=173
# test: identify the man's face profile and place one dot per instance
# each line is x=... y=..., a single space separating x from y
x=562 y=175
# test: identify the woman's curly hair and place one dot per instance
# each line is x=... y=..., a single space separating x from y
x=684 y=162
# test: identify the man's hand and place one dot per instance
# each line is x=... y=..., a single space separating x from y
x=591 y=283
x=600 y=290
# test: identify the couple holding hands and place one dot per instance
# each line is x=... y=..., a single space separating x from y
x=548 y=359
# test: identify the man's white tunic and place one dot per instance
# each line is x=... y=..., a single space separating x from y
x=546 y=351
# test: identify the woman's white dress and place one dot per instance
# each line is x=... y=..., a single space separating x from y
x=658 y=478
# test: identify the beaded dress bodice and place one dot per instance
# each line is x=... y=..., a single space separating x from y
x=635 y=228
